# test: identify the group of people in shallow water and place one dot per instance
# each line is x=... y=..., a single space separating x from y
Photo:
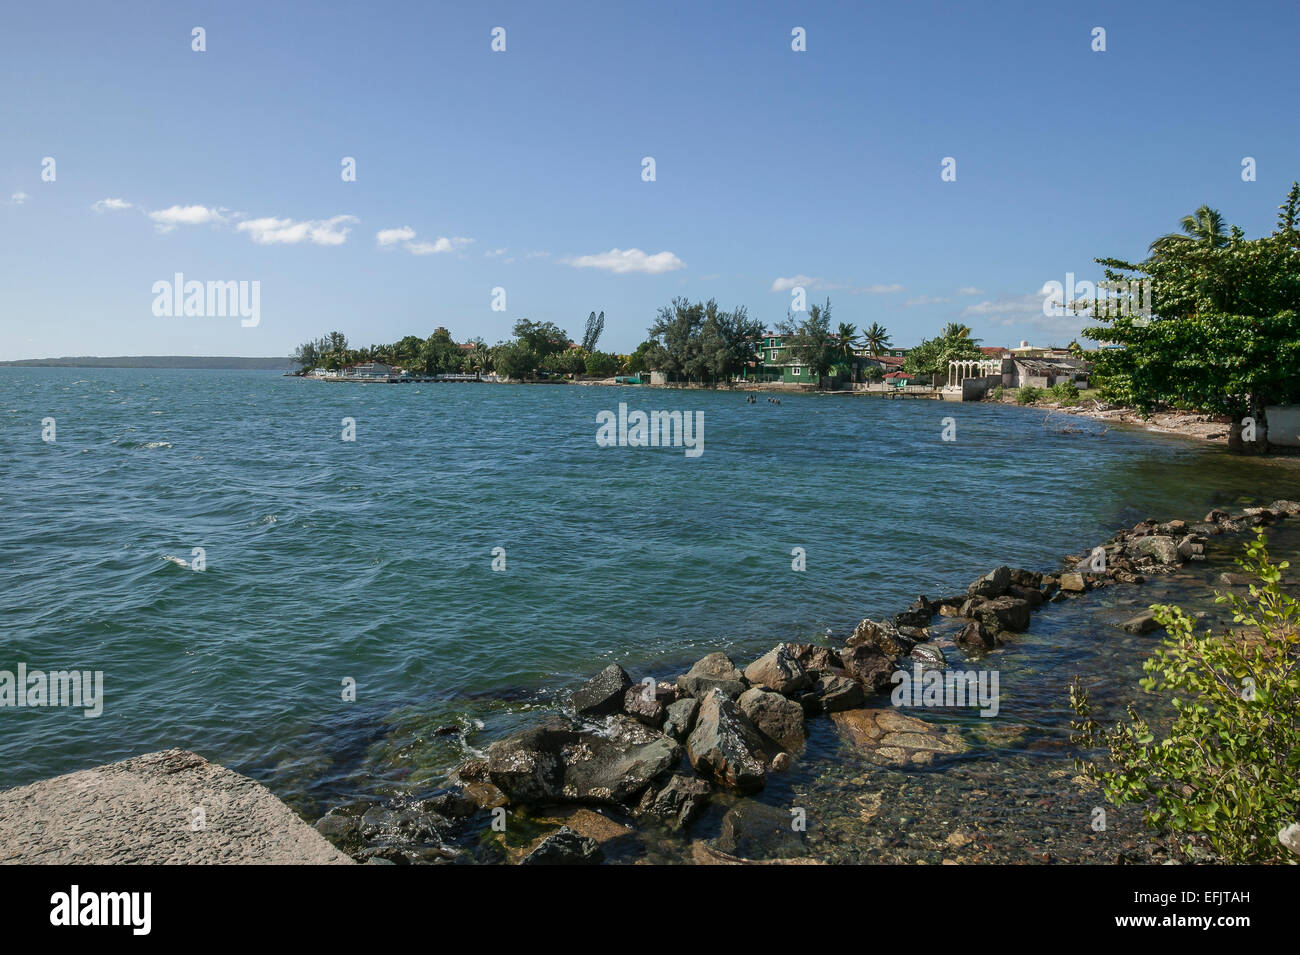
x=752 y=399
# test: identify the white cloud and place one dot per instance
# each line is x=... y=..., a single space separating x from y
x=393 y=236
x=18 y=198
x=442 y=244
x=784 y=285
x=273 y=231
x=1010 y=305
x=495 y=253
x=623 y=261
x=111 y=205
x=970 y=290
x=925 y=300
x=821 y=285
x=167 y=219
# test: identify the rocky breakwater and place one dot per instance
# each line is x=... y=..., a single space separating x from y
x=626 y=755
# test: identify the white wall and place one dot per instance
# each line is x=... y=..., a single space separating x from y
x=1284 y=425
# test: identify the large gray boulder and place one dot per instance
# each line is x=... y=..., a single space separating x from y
x=680 y=717
x=992 y=584
x=602 y=695
x=1004 y=613
x=555 y=762
x=1163 y=549
x=716 y=671
x=725 y=746
x=883 y=635
x=779 y=669
x=777 y=718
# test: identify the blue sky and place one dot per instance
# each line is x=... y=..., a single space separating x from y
x=773 y=167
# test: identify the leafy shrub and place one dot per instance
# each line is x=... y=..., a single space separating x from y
x=1229 y=765
x=995 y=393
x=1029 y=394
x=1065 y=392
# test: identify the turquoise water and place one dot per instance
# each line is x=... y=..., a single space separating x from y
x=372 y=560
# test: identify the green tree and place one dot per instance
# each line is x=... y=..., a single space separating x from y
x=639 y=360
x=602 y=364
x=1203 y=227
x=542 y=338
x=931 y=357
x=595 y=326
x=1223 y=334
x=515 y=359
x=810 y=342
x=876 y=339
x=1228 y=767
x=955 y=330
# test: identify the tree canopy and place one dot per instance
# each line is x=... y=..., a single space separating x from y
x=1223 y=335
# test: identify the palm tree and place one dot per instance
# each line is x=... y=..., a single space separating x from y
x=848 y=336
x=1204 y=227
x=953 y=330
x=876 y=338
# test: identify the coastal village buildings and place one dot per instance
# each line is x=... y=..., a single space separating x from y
x=773 y=362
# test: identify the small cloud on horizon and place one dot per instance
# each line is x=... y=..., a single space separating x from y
x=165 y=220
x=625 y=261
x=441 y=244
x=273 y=231
x=18 y=198
x=821 y=285
x=388 y=238
x=110 y=205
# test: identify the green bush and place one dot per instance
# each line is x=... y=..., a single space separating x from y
x=1229 y=765
x=1065 y=393
x=1029 y=394
x=995 y=393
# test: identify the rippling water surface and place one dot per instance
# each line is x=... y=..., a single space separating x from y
x=373 y=559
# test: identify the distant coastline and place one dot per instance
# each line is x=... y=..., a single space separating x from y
x=156 y=361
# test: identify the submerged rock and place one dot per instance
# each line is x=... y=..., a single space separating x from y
x=1142 y=623
x=565 y=847
x=977 y=637
x=725 y=746
x=890 y=738
x=755 y=830
x=678 y=803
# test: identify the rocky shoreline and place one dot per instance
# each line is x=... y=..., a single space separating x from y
x=625 y=755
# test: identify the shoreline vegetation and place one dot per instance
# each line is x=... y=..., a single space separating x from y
x=1207 y=325
x=622 y=757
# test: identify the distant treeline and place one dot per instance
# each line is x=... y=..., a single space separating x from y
x=158 y=361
